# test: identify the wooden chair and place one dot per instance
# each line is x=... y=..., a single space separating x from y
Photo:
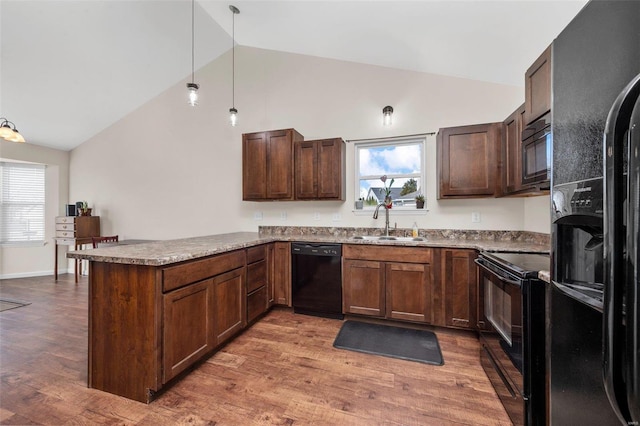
x=103 y=241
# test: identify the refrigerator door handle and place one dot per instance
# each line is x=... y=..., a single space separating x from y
x=614 y=261
x=633 y=271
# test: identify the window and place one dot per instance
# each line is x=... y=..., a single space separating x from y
x=401 y=160
x=21 y=202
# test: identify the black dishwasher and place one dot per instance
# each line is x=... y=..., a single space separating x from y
x=316 y=279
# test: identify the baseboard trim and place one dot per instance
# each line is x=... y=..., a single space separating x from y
x=34 y=274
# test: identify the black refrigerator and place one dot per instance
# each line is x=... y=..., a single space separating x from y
x=593 y=348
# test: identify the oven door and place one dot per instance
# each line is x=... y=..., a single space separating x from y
x=501 y=337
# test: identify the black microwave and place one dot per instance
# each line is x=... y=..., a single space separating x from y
x=536 y=151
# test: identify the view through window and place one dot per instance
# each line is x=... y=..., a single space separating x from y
x=21 y=202
x=400 y=160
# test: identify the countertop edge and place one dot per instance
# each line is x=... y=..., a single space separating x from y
x=200 y=247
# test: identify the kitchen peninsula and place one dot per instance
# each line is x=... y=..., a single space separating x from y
x=156 y=309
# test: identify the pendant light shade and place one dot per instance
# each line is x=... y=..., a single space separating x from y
x=233 y=112
x=192 y=87
x=193 y=93
x=9 y=132
x=387 y=114
x=233 y=116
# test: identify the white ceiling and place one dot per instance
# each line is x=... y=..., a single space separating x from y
x=69 y=69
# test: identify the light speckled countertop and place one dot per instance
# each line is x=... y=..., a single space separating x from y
x=161 y=253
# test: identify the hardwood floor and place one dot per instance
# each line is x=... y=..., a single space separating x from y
x=282 y=370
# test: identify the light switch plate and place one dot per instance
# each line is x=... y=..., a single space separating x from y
x=336 y=217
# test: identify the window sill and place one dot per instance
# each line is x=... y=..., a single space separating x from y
x=22 y=244
x=393 y=211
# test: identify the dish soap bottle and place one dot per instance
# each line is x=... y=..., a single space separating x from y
x=414 y=232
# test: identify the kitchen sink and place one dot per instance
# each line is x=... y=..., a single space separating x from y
x=385 y=238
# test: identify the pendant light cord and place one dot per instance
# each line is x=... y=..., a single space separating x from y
x=233 y=60
x=192 y=39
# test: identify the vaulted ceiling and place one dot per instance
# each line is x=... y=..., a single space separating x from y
x=69 y=69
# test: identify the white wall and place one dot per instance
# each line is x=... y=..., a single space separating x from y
x=168 y=170
x=23 y=261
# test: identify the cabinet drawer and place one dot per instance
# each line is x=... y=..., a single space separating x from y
x=65 y=241
x=186 y=273
x=256 y=275
x=256 y=254
x=65 y=234
x=65 y=226
x=256 y=303
x=386 y=253
x=65 y=219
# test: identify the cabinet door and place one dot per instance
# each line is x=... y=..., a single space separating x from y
x=306 y=160
x=537 y=86
x=189 y=308
x=229 y=310
x=254 y=166
x=282 y=274
x=408 y=291
x=363 y=290
x=460 y=282
x=468 y=160
x=512 y=152
x=271 y=294
x=279 y=165
x=331 y=165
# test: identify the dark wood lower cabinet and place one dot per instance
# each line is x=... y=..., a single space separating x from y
x=148 y=324
x=408 y=291
x=460 y=283
x=363 y=290
x=282 y=273
x=189 y=308
x=393 y=283
x=229 y=310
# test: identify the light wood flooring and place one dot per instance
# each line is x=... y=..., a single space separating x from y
x=283 y=370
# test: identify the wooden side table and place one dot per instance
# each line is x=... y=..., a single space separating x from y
x=74 y=231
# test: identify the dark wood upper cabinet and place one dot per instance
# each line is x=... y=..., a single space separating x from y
x=267 y=165
x=468 y=161
x=320 y=169
x=537 y=85
x=512 y=152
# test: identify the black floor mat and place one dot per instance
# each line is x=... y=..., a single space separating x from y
x=394 y=342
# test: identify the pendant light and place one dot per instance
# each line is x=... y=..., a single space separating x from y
x=192 y=87
x=387 y=113
x=9 y=132
x=233 y=112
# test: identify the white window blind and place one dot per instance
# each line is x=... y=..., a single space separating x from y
x=21 y=202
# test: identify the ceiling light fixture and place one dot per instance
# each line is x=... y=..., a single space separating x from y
x=192 y=87
x=233 y=112
x=9 y=132
x=387 y=112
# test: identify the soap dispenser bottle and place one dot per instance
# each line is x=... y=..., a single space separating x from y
x=414 y=232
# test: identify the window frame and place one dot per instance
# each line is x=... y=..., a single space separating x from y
x=4 y=202
x=392 y=141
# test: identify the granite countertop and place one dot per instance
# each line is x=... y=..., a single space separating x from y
x=161 y=253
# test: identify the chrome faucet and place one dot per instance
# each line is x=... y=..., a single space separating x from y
x=386 y=223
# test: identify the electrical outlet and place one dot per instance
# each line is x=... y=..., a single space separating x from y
x=257 y=216
x=316 y=216
x=337 y=217
x=283 y=215
x=475 y=217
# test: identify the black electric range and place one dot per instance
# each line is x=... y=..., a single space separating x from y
x=511 y=323
x=523 y=265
